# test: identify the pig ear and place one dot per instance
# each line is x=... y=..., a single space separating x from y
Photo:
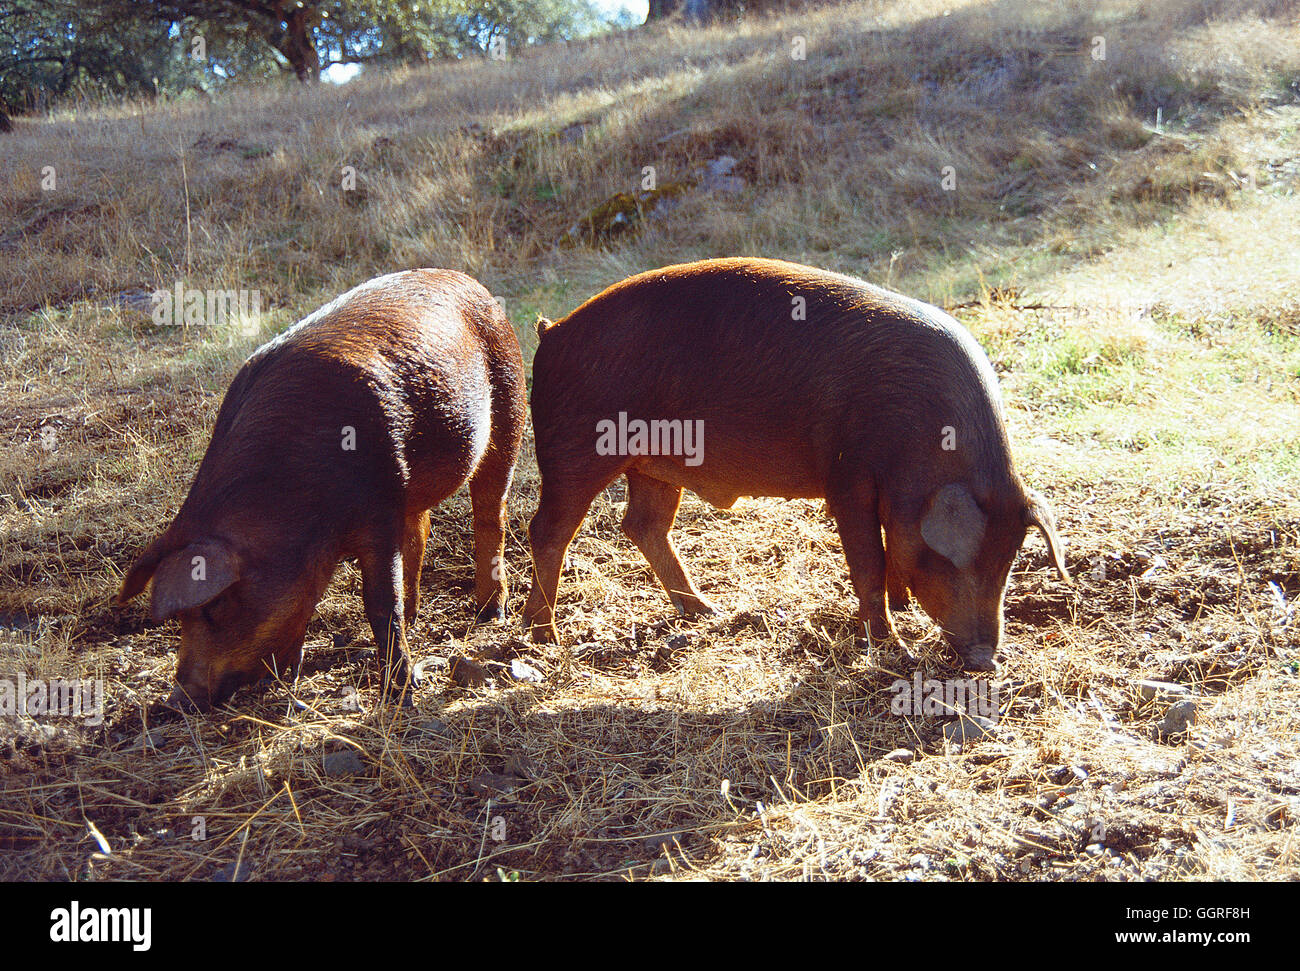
x=954 y=525
x=141 y=570
x=193 y=576
x=1038 y=513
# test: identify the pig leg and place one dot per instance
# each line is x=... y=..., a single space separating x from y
x=559 y=514
x=651 y=509
x=417 y=536
x=487 y=492
x=855 y=515
x=381 y=592
x=895 y=588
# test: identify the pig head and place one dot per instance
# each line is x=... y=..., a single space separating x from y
x=243 y=615
x=953 y=549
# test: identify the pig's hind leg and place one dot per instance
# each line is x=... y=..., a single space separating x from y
x=560 y=512
x=651 y=510
x=417 y=537
x=487 y=490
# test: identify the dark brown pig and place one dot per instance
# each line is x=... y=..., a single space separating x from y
x=334 y=441
x=762 y=378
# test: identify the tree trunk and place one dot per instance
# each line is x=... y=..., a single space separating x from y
x=300 y=48
x=662 y=9
x=296 y=42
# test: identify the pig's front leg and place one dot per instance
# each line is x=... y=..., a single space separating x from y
x=854 y=509
x=381 y=591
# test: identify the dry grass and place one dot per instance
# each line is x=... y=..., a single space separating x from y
x=1134 y=287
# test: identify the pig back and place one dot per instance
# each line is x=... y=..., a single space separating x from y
x=808 y=364
x=374 y=394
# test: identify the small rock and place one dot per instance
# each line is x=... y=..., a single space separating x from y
x=344 y=762
x=525 y=672
x=888 y=796
x=968 y=728
x=493 y=783
x=1180 y=716
x=903 y=755
x=467 y=673
x=720 y=166
x=657 y=844
x=153 y=738
x=717 y=176
x=521 y=765
x=432 y=726
x=1162 y=691
x=1157 y=563
x=233 y=873
x=731 y=184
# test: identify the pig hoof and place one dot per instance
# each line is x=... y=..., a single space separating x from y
x=402 y=695
x=978 y=659
x=543 y=634
x=695 y=608
x=490 y=614
x=879 y=630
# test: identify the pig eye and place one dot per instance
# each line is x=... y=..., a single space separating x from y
x=212 y=607
x=209 y=611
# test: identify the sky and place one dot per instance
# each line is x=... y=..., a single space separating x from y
x=611 y=7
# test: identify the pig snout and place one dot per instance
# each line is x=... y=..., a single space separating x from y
x=973 y=630
x=975 y=643
x=189 y=699
x=196 y=696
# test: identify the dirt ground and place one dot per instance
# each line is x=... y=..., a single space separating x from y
x=757 y=745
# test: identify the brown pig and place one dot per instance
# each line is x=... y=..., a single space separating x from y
x=334 y=441
x=749 y=377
